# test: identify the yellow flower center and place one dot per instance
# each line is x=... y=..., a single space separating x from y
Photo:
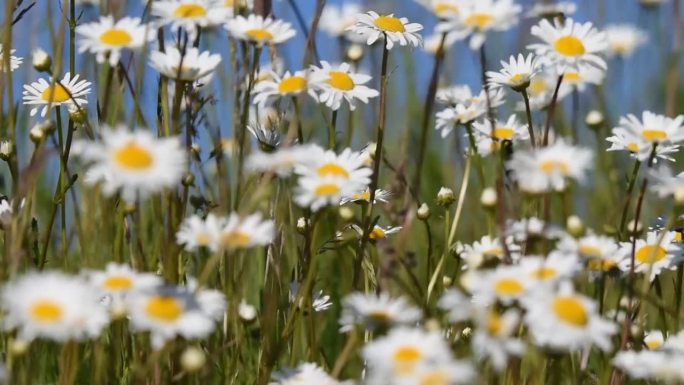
x=341 y=81
x=508 y=286
x=678 y=236
x=503 y=133
x=377 y=233
x=333 y=169
x=389 y=24
x=190 y=10
x=444 y=7
x=259 y=34
x=59 y=95
x=495 y=251
x=572 y=76
x=379 y=316
x=133 y=156
x=549 y=166
x=633 y=147
x=494 y=324
x=653 y=343
x=327 y=189
x=569 y=46
x=116 y=36
x=479 y=20
x=654 y=135
x=235 y=239
x=46 y=311
x=601 y=264
x=650 y=254
x=292 y=84
x=202 y=239
x=537 y=86
x=118 y=282
x=518 y=77
x=163 y=308
x=407 y=354
x=435 y=377
x=543 y=273
x=590 y=250
x=362 y=195
x=571 y=310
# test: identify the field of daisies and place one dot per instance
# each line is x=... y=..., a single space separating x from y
x=312 y=192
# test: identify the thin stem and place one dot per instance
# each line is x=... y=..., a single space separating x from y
x=528 y=112
x=628 y=200
x=475 y=154
x=552 y=111
x=256 y=53
x=332 y=133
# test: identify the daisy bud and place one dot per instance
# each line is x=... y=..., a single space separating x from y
x=189 y=180
x=423 y=212
x=193 y=359
x=6 y=150
x=467 y=332
x=445 y=197
x=432 y=325
x=488 y=198
x=346 y=213
x=41 y=60
x=594 y=119
x=246 y=311
x=77 y=114
x=355 y=52
x=18 y=347
x=679 y=197
x=36 y=134
x=130 y=208
x=574 y=225
x=447 y=281
x=302 y=224
x=118 y=311
x=630 y=227
x=47 y=126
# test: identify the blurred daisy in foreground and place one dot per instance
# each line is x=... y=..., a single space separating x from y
x=15 y=61
x=66 y=91
x=654 y=339
x=453 y=95
x=504 y=284
x=458 y=306
x=477 y=18
x=624 y=39
x=348 y=165
x=245 y=232
x=467 y=110
x=191 y=14
x=638 y=146
x=167 y=312
x=283 y=161
x=54 y=306
x=665 y=184
x=375 y=311
x=189 y=66
x=564 y=8
x=304 y=373
x=338 y=83
x=488 y=139
x=336 y=20
x=600 y=252
x=655 y=128
x=566 y=320
x=516 y=73
x=255 y=29
x=276 y=87
x=570 y=44
x=363 y=196
x=432 y=43
x=446 y=372
x=486 y=250
x=391 y=28
x=118 y=280
x=133 y=163
x=107 y=38
x=196 y=232
x=551 y=269
x=443 y=8
x=579 y=78
x=494 y=337
x=541 y=91
x=651 y=365
x=549 y=168
x=652 y=255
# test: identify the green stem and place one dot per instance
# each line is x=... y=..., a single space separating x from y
x=528 y=112
x=332 y=134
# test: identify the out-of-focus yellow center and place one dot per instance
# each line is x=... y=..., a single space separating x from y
x=365 y=195
x=190 y=10
x=650 y=254
x=379 y=316
x=116 y=36
x=118 y=282
x=549 y=166
x=444 y=7
x=259 y=34
x=341 y=80
x=590 y=250
x=653 y=343
x=235 y=239
x=292 y=84
x=327 y=189
x=479 y=20
x=435 y=377
x=601 y=264
x=569 y=46
x=407 y=354
x=59 y=95
x=377 y=233
x=163 y=308
x=573 y=77
x=503 y=133
x=333 y=169
x=654 y=135
x=633 y=147
x=202 y=239
x=508 y=286
x=389 y=24
x=46 y=311
x=543 y=273
x=133 y=156
x=571 y=310
x=494 y=324
x=537 y=86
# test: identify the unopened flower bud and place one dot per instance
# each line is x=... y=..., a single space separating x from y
x=355 y=52
x=447 y=281
x=6 y=150
x=575 y=226
x=41 y=60
x=118 y=311
x=302 y=225
x=36 y=134
x=488 y=198
x=346 y=213
x=432 y=325
x=18 y=347
x=130 y=208
x=679 y=197
x=77 y=114
x=246 y=311
x=48 y=126
x=445 y=197
x=423 y=212
x=631 y=228
x=193 y=359
x=189 y=180
x=594 y=119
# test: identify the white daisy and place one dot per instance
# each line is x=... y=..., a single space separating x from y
x=541 y=91
x=373 y=311
x=393 y=29
x=319 y=301
x=654 y=339
x=467 y=111
x=304 y=373
x=196 y=232
x=255 y=29
x=66 y=91
x=526 y=228
x=650 y=255
x=191 y=14
x=505 y=283
x=487 y=248
x=654 y=128
x=118 y=280
x=245 y=232
x=338 y=83
x=190 y=66
x=335 y=20
x=494 y=338
x=106 y=37
x=600 y=252
x=451 y=96
x=348 y=165
x=516 y=73
x=276 y=87
x=443 y=8
x=552 y=9
x=651 y=365
x=317 y=190
x=132 y=163
x=54 y=306
x=639 y=147
x=282 y=161
x=446 y=372
x=570 y=44
x=476 y=18
x=363 y=196
x=582 y=76
x=459 y=307
x=566 y=320
x=488 y=140
x=665 y=184
x=170 y=311
x=624 y=39
x=432 y=43
x=379 y=232
x=15 y=61
x=548 y=168
x=551 y=269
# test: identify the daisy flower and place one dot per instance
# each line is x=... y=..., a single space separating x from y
x=66 y=91
x=652 y=255
x=282 y=161
x=505 y=284
x=624 y=39
x=191 y=14
x=570 y=44
x=548 y=168
x=134 y=163
x=277 y=87
x=550 y=269
x=255 y=29
x=245 y=232
x=336 y=20
x=458 y=94
x=443 y=8
x=480 y=252
x=446 y=372
x=305 y=373
x=541 y=91
x=476 y=18
x=170 y=311
x=458 y=306
x=54 y=306
x=373 y=311
x=315 y=190
x=118 y=280
x=467 y=111
x=338 y=83
x=654 y=339
x=599 y=251
x=494 y=337
x=488 y=139
x=551 y=10
x=393 y=29
x=565 y=320
x=381 y=233
x=654 y=128
x=664 y=184
x=651 y=365
x=639 y=147
x=191 y=66
x=516 y=73
x=348 y=165
x=106 y=37
x=582 y=76
x=363 y=196
x=196 y=232
x=15 y=61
